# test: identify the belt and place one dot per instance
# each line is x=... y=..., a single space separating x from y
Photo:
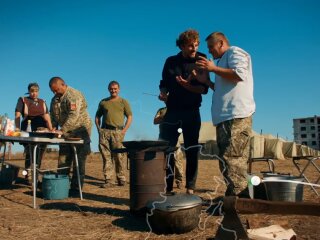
x=112 y=127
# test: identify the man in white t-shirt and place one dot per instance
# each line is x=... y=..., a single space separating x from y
x=232 y=108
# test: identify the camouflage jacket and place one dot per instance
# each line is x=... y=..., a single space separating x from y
x=70 y=113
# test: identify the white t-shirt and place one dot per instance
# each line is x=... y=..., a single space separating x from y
x=233 y=100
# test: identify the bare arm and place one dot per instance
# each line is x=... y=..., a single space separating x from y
x=157 y=119
x=47 y=119
x=186 y=84
x=225 y=73
x=127 y=125
x=203 y=78
x=17 y=119
x=97 y=122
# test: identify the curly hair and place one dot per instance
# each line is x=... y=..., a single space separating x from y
x=188 y=36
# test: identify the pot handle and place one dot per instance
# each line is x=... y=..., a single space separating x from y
x=177 y=207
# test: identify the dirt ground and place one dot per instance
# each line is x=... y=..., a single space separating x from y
x=104 y=212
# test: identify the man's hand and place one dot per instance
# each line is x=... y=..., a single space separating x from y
x=183 y=82
x=57 y=132
x=163 y=96
x=201 y=76
x=123 y=131
x=205 y=64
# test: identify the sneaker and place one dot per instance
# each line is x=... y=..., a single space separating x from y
x=121 y=183
x=190 y=191
x=169 y=193
x=106 y=184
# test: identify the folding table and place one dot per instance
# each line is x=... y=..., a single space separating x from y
x=34 y=143
x=311 y=161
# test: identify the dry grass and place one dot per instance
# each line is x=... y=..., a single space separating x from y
x=104 y=213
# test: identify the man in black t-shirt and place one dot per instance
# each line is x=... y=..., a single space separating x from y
x=181 y=92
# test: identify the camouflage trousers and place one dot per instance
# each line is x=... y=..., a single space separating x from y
x=108 y=141
x=67 y=157
x=233 y=142
x=178 y=165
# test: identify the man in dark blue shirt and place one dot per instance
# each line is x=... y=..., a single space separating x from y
x=181 y=92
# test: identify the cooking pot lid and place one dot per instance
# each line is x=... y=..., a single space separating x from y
x=175 y=202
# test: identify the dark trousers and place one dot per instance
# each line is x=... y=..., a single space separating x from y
x=189 y=121
x=40 y=152
x=66 y=159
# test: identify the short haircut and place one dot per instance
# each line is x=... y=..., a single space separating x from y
x=54 y=80
x=217 y=36
x=33 y=86
x=187 y=36
x=113 y=83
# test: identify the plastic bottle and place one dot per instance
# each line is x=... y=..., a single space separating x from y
x=29 y=126
x=3 y=122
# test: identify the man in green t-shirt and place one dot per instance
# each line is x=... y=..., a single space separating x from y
x=116 y=119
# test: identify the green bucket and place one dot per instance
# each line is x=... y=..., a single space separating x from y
x=55 y=186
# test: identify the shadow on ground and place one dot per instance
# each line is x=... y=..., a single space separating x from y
x=126 y=220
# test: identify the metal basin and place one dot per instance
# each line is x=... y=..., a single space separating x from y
x=280 y=187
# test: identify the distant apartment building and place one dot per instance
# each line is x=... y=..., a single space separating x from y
x=306 y=131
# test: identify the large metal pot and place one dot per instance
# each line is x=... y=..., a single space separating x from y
x=177 y=213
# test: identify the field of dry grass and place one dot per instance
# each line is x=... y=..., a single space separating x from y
x=104 y=212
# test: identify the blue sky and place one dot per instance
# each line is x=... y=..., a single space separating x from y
x=89 y=43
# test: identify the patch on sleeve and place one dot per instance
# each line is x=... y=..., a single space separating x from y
x=73 y=106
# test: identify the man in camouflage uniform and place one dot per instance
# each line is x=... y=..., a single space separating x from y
x=178 y=155
x=112 y=130
x=232 y=108
x=68 y=110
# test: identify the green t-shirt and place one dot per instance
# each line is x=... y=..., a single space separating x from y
x=113 y=111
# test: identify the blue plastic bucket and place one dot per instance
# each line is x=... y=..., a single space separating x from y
x=55 y=186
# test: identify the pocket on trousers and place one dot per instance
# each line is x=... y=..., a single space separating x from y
x=239 y=144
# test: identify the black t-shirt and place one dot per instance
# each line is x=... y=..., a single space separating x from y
x=180 y=98
x=36 y=110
